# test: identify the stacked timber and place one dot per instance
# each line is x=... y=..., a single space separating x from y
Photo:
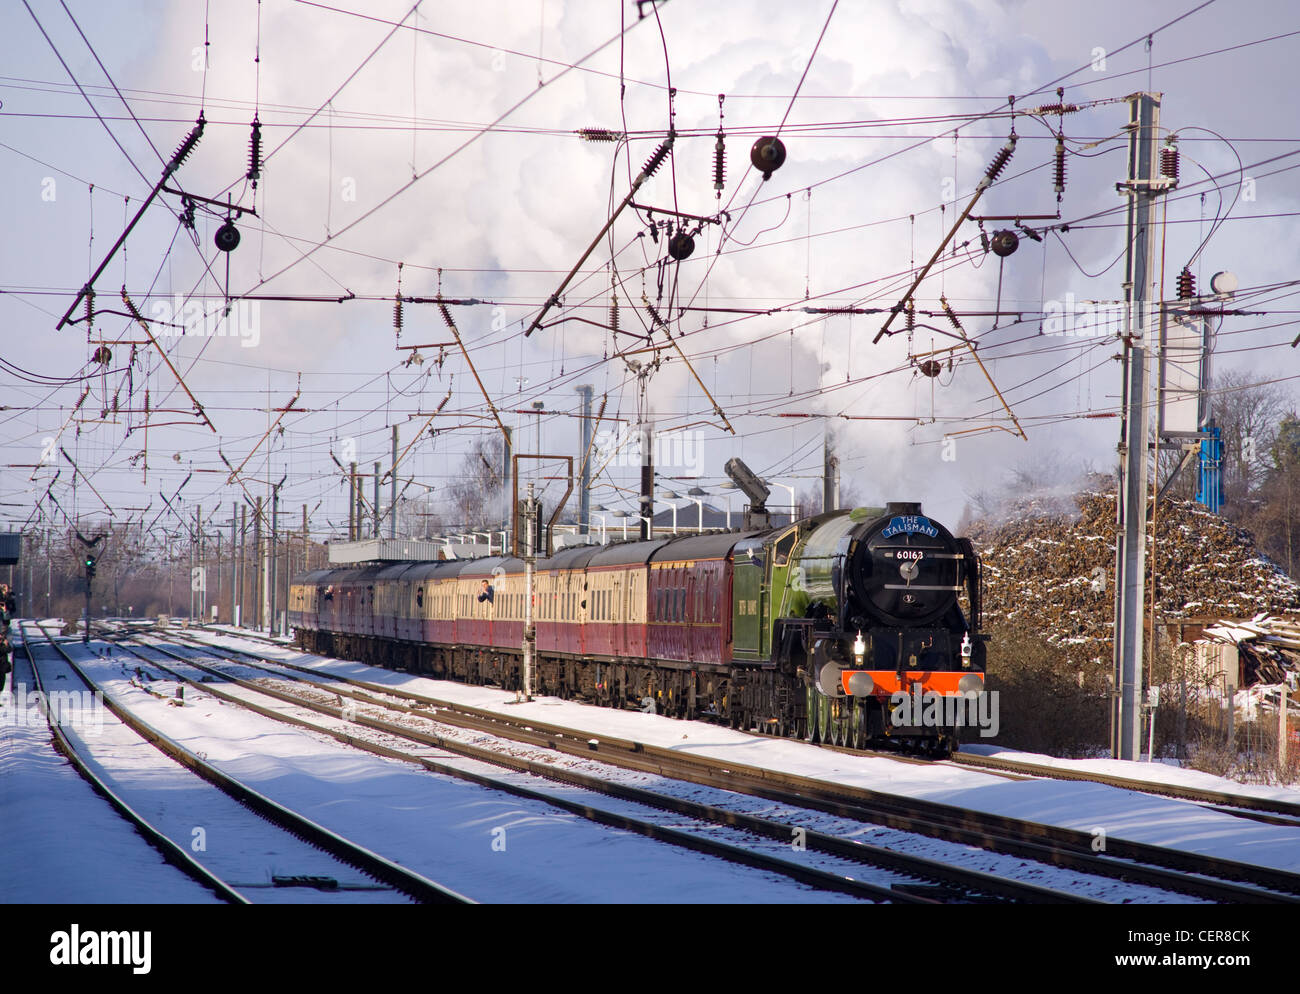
x=1050 y=569
x=1269 y=646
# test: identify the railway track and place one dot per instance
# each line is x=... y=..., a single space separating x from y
x=1242 y=805
x=926 y=880
x=172 y=853
x=1239 y=805
x=1137 y=862
x=342 y=854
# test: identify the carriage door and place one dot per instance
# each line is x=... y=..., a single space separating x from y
x=620 y=609
x=692 y=614
x=747 y=602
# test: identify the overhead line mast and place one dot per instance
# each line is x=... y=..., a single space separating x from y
x=1144 y=184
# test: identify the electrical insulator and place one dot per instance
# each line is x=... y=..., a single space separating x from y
x=446 y=316
x=90 y=306
x=599 y=135
x=1060 y=166
x=1186 y=284
x=397 y=315
x=999 y=161
x=613 y=314
x=657 y=159
x=187 y=146
x=719 y=164
x=255 y=152
x=911 y=317
x=947 y=309
x=1169 y=162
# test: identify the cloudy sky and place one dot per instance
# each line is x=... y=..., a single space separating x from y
x=436 y=143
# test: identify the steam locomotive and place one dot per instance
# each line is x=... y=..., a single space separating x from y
x=830 y=628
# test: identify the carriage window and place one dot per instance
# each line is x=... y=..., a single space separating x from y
x=783 y=546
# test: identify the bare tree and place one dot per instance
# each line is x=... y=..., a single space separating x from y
x=1277 y=521
x=476 y=498
x=1248 y=414
x=810 y=500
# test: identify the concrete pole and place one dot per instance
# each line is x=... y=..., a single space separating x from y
x=238 y=613
x=274 y=557
x=530 y=557
x=506 y=492
x=258 y=585
x=1130 y=552
x=392 y=497
x=352 y=502
x=234 y=582
x=203 y=571
x=584 y=495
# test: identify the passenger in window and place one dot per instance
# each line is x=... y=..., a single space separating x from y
x=486 y=592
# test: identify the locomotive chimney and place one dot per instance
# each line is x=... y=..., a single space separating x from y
x=899 y=507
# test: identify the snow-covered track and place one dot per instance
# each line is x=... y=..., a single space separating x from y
x=417 y=887
x=1194 y=874
x=1230 y=803
x=928 y=881
x=170 y=851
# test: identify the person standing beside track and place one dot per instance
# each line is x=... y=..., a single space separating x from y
x=7 y=607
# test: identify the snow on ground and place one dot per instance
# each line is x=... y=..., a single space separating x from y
x=244 y=850
x=484 y=843
x=1079 y=805
x=59 y=835
x=1157 y=772
x=954 y=854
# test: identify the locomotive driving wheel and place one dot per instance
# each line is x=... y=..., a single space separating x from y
x=824 y=719
x=857 y=724
x=811 y=728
